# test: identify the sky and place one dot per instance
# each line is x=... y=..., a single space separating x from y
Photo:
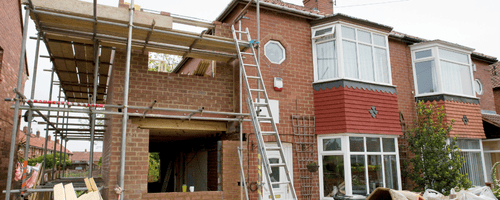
x=473 y=24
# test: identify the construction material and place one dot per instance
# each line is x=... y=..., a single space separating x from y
x=202 y=68
x=260 y=123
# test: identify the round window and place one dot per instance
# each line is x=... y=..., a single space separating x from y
x=478 y=86
x=275 y=52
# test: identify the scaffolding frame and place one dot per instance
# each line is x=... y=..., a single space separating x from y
x=61 y=128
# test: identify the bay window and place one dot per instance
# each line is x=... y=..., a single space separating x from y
x=442 y=69
x=356 y=164
x=347 y=52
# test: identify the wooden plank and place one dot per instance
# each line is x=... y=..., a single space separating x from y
x=82 y=66
x=70 y=192
x=87 y=184
x=176 y=124
x=92 y=183
x=59 y=192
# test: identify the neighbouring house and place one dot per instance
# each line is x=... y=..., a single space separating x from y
x=37 y=144
x=80 y=160
x=348 y=92
x=11 y=33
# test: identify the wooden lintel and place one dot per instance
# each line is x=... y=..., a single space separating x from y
x=177 y=124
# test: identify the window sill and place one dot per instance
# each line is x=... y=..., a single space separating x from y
x=447 y=97
x=352 y=83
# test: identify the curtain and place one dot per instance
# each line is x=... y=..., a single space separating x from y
x=451 y=77
x=350 y=59
x=366 y=62
x=326 y=60
x=391 y=173
x=473 y=167
x=382 y=65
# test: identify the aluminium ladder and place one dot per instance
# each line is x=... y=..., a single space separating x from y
x=254 y=108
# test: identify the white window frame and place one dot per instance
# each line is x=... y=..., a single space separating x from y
x=481 y=153
x=484 y=152
x=434 y=47
x=480 y=92
x=281 y=46
x=345 y=152
x=339 y=46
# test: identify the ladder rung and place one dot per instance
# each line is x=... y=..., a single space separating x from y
x=264 y=118
x=280 y=183
x=251 y=65
x=256 y=90
x=241 y=32
x=273 y=148
x=254 y=77
x=260 y=104
x=277 y=165
x=268 y=133
x=245 y=53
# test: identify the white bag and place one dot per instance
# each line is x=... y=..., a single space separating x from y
x=431 y=194
x=475 y=193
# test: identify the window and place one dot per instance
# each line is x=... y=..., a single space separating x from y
x=473 y=166
x=275 y=52
x=160 y=62
x=478 y=87
x=363 y=54
x=440 y=69
x=357 y=165
x=491 y=149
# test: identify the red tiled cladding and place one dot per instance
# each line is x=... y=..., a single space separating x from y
x=456 y=110
x=346 y=110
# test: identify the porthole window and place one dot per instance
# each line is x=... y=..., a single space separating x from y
x=478 y=86
x=274 y=52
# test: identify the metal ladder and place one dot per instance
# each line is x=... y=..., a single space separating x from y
x=257 y=120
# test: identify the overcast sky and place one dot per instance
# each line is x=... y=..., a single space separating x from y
x=474 y=24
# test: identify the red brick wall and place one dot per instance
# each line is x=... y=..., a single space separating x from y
x=171 y=91
x=10 y=42
x=402 y=78
x=496 y=95
x=483 y=73
x=325 y=6
x=345 y=110
x=294 y=34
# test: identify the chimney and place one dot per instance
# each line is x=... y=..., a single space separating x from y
x=48 y=137
x=325 y=6
x=37 y=134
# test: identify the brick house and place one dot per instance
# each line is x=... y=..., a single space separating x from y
x=349 y=88
x=358 y=79
x=80 y=160
x=11 y=31
x=37 y=144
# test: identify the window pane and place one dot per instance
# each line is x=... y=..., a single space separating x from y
x=450 y=55
x=456 y=78
x=358 y=174
x=375 y=172
x=275 y=176
x=323 y=31
x=356 y=144
x=350 y=59
x=348 y=33
x=388 y=144
x=364 y=36
x=391 y=173
x=332 y=144
x=274 y=52
x=426 y=77
x=373 y=144
x=468 y=144
x=326 y=60
x=490 y=159
x=379 y=40
x=478 y=87
x=333 y=174
x=473 y=167
x=423 y=54
x=491 y=145
x=382 y=65
x=366 y=62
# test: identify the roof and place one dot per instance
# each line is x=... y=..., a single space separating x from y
x=84 y=156
x=492 y=119
x=40 y=142
x=340 y=16
x=276 y=4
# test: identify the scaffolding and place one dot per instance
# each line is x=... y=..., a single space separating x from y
x=81 y=48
